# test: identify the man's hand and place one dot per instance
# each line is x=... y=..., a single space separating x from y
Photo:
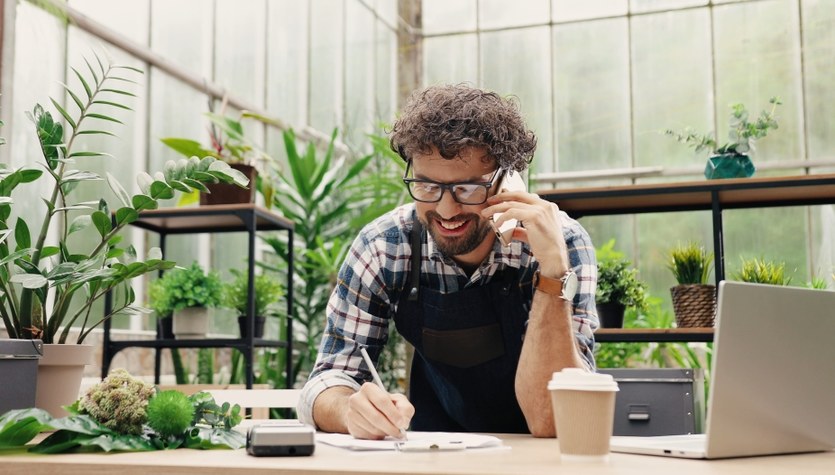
x=374 y=414
x=542 y=228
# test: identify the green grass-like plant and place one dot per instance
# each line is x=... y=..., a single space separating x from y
x=761 y=271
x=268 y=291
x=690 y=263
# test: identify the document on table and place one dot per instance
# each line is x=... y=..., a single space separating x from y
x=417 y=441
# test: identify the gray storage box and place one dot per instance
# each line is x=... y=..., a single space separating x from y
x=18 y=373
x=658 y=401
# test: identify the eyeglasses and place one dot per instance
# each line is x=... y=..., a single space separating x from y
x=427 y=191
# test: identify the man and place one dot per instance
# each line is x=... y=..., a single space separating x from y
x=489 y=323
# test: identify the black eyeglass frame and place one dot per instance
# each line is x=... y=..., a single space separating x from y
x=449 y=186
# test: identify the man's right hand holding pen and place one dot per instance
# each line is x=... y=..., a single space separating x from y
x=373 y=412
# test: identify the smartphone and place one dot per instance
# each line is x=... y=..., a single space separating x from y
x=511 y=181
x=288 y=437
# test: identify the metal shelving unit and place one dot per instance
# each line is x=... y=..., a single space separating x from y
x=247 y=218
x=713 y=195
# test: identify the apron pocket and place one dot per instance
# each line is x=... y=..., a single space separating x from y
x=463 y=348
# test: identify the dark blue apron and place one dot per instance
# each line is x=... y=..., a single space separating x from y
x=467 y=347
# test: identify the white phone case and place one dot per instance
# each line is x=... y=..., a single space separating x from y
x=510 y=182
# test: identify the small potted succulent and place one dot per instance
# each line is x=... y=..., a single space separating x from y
x=188 y=293
x=268 y=291
x=618 y=287
x=731 y=160
x=694 y=300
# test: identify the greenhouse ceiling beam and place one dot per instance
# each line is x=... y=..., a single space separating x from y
x=78 y=19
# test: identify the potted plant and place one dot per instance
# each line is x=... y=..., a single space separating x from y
x=268 y=291
x=618 y=287
x=694 y=300
x=731 y=160
x=761 y=271
x=229 y=144
x=50 y=283
x=188 y=294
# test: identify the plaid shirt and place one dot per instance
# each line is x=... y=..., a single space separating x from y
x=376 y=273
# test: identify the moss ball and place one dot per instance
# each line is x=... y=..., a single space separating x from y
x=170 y=413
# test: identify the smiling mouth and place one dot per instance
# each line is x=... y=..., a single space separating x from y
x=451 y=228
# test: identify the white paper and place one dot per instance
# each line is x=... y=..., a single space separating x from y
x=470 y=441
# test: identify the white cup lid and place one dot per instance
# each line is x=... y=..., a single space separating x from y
x=581 y=380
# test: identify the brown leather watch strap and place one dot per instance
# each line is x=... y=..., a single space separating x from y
x=546 y=284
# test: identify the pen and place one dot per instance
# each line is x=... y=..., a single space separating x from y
x=376 y=378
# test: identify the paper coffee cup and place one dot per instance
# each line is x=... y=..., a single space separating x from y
x=584 y=413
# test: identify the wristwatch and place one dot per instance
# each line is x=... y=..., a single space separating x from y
x=565 y=286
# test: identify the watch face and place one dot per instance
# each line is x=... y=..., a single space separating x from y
x=569 y=286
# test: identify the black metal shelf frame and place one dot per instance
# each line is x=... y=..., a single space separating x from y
x=247 y=218
x=712 y=195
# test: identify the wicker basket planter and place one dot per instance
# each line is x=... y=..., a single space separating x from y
x=694 y=305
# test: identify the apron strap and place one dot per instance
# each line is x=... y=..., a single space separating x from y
x=416 y=239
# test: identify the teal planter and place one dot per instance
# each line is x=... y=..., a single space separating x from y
x=729 y=165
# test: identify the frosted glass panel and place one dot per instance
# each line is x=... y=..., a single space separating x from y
x=572 y=10
x=287 y=62
x=387 y=9
x=591 y=95
x=757 y=57
x=326 y=64
x=671 y=84
x=385 y=93
x=643 y=6
x=239 y=48
x=511 y=64
x=502 y=14
x=450 y=59
x=359 y=73
x=752 y=234
x=819 y=69
x=443 y=16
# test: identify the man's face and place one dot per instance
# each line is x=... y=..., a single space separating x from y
x=458 y=229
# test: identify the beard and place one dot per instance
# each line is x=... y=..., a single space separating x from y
x=459 y=245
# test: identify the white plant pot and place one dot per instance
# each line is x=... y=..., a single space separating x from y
x=60 y=370
x=191 y=323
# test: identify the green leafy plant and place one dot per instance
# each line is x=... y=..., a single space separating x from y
x=690 y=263
x=617 y=280
x=330 y=199
x=229 y=144
x=186 y=287
x=268 y=291
x=113 y=418
x=46 y=288
x=741 y=136
x=759 y=270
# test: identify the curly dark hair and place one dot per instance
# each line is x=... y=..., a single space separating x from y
x=452 y=117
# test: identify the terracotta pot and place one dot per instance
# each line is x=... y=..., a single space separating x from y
x=60 y=370
x=224 y=194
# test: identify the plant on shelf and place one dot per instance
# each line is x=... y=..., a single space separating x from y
x=618 y=286
x=761 y=271
x=188 y=293
x=48 y=286
x=268 y=291
x=731 y=159
x=229 y=144
x=125 y=414
x=694 y=300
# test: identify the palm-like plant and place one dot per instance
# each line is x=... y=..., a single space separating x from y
x=47 y=288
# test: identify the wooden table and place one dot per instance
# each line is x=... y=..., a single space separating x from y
x=523 y=455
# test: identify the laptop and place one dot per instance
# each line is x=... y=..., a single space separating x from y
x=772 y=378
